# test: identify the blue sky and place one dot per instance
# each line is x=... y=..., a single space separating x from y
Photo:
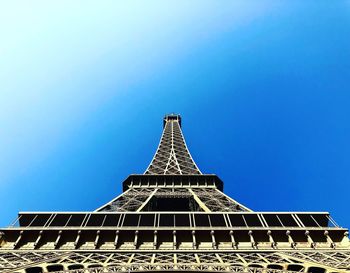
x=262 y=87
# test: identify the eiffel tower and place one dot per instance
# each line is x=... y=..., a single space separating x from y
x=174 y=218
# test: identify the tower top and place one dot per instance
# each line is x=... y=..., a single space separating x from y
x=170 y=117
x=172 y=156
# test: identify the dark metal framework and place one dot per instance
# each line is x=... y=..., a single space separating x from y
x=174 y=218
x=172 y=155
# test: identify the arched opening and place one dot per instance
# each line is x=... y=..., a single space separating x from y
x=75 y=266
x=315 y=269
x=275 y=266
x=54 y=267
x=295 y=267
x=36 y=269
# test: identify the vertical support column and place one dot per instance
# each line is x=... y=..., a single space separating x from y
x=309 y=239
x=36 y=243
x=233 y=241
x=16 y=244
x=58 y=239
x=194 y=241
x=254 y=244
x=272 y=241
x=76 y=242
x=290 y=240
x=97 y=238
x=136 y=238
x=329 y=239
x=116 y=238
x=212 y=233
x=174 y=240
x=155 y=239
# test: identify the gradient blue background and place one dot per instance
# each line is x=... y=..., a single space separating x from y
x=262 y=86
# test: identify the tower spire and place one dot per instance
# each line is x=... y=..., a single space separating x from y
x=172 y=155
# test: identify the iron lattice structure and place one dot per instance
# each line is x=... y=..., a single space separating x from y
x=174 y=218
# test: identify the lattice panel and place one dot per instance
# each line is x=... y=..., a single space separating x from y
x=333 y=259
x=130 y=200
x=179 y=267
x=178 y=192
x=198 y=261
x=186 y=258
x=207 y=258
x=172 y=155
x=217 y=201
x=14 y=260
x=142 y=258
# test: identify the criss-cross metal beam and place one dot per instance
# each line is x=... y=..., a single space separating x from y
x=172 y=155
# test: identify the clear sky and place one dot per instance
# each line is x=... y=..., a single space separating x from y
x=262 y=87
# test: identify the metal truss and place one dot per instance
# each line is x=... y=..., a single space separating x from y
x=209 y=199
x=172 y=155
x=179 y=267
x=332 y=259
x=190 y=261
x=174 y=218
x=130 y=200
x=14 y=260
x=215 y=200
